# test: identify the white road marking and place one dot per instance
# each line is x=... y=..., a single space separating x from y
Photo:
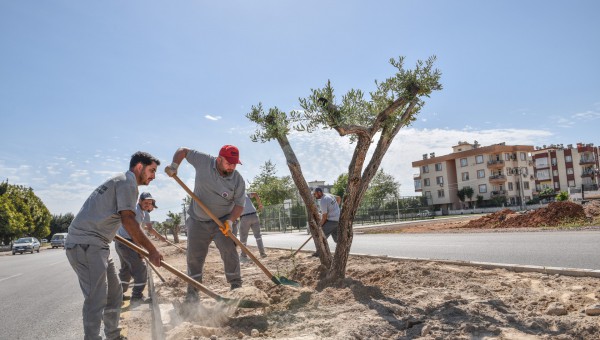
x=10 y=277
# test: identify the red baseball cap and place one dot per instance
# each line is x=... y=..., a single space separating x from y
x=231 y=154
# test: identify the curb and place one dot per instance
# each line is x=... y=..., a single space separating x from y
x=577 y=272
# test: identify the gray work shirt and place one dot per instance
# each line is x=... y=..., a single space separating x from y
x=141 y=216
x=330 y=207
x=98 y=220
x=249 y=207
x=220 y=194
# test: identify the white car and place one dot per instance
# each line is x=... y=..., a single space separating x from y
x=424 y=213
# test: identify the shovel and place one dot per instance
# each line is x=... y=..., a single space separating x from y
x=278 y=280
x=188 y=279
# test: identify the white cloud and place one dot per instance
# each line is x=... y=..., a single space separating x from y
x=214 y=118
x=588 y=115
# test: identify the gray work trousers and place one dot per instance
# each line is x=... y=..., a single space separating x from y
x=248 y=222
x=199 y=236
x=100 y=287
x=132 y=265
x=331 y=228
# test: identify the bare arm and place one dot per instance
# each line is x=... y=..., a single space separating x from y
x=180 y=154
x=133 y=229
x=236 y=212
x=255 y=196
x=153 y=231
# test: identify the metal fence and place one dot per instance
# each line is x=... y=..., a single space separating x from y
x=291 y=215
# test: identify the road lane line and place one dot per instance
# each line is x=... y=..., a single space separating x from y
x=10 y=277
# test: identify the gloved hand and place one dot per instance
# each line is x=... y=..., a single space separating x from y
x=226 y=227
x=171 y=170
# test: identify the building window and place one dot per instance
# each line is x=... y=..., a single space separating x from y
x=426 y=182
x=507 y=157
x=438 y=166
x=440 y=193
x=554 y=162
x=482 y=188
x=464 y=162
x=556 y=185
x=543 y=175
x=569 y=159
x=510 y=186
x=479 y=159
x=425 y=169
x=439 y=180
x=480 y=173
x=465 y=176
x=571 y=183
x=555 y=173
x=523 y=156
x=570 y=171
x=526 y=185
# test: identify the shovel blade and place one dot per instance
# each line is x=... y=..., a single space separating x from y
x=282 y=280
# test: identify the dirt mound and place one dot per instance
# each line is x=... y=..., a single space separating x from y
x=555 y=214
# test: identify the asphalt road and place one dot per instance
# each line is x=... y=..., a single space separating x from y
x=40 y=297
x=571 y=249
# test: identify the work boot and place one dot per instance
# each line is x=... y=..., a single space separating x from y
x=140 y=299
x=235 y=286
x=263 y=255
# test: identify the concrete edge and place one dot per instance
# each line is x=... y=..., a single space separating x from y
x=577 y=272
x=158 y=332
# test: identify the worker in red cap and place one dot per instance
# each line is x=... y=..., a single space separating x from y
x=222 y=189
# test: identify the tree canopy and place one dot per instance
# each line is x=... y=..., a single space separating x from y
x=22 y=213
x=272 y=189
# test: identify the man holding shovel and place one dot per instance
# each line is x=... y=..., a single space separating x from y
x=87 y=245
x=222 y=189
x=132 y=264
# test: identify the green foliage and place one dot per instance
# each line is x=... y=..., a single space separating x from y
x=383 y=186
x=22 y=213
x=547 y=192
x=562 y=196
x=272 y=189
x=461 y=194
x=60 y=223
x=469 y=192
x=340 y=184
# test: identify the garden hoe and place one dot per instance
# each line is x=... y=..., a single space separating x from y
x=188 y=279
x=279 y=280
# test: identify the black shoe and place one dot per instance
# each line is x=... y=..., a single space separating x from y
x=140 y=299
x=236 y=286
x=263 y=255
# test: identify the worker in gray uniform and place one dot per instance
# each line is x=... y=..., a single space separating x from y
x=221 y=188
x=249 y=220
x=132 y=263
x=330 y=214
x=87 y=245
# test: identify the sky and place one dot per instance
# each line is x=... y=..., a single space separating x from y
x=85 y=84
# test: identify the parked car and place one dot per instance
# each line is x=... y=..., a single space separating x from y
x=44 y=240
x=58 y=240
x=26 y=244
x=424 y=213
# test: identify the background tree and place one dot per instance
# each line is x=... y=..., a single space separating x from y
x=174 y=225
x=393 y=105
x=469 y=193
x=60 y=223
x=272 y=189
x=383 y=186
x=23 y=213
x=461 y=195
x=340 y=184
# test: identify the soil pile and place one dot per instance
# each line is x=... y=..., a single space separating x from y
x=592 y=209
x=383 y=298
x=555 y=214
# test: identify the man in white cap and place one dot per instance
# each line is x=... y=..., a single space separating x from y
x=132 y=264
x=221 y=188
x=330 y=214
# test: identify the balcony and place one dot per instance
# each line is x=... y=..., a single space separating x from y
x=498 y=193
x=495 y=164
x=584 y=161
x=497 y=179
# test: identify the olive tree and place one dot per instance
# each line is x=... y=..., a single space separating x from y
x=392 y=105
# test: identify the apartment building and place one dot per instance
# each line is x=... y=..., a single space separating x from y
x=495 y=171
x=569 y=168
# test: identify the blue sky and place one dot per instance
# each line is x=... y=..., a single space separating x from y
x=84 y=84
